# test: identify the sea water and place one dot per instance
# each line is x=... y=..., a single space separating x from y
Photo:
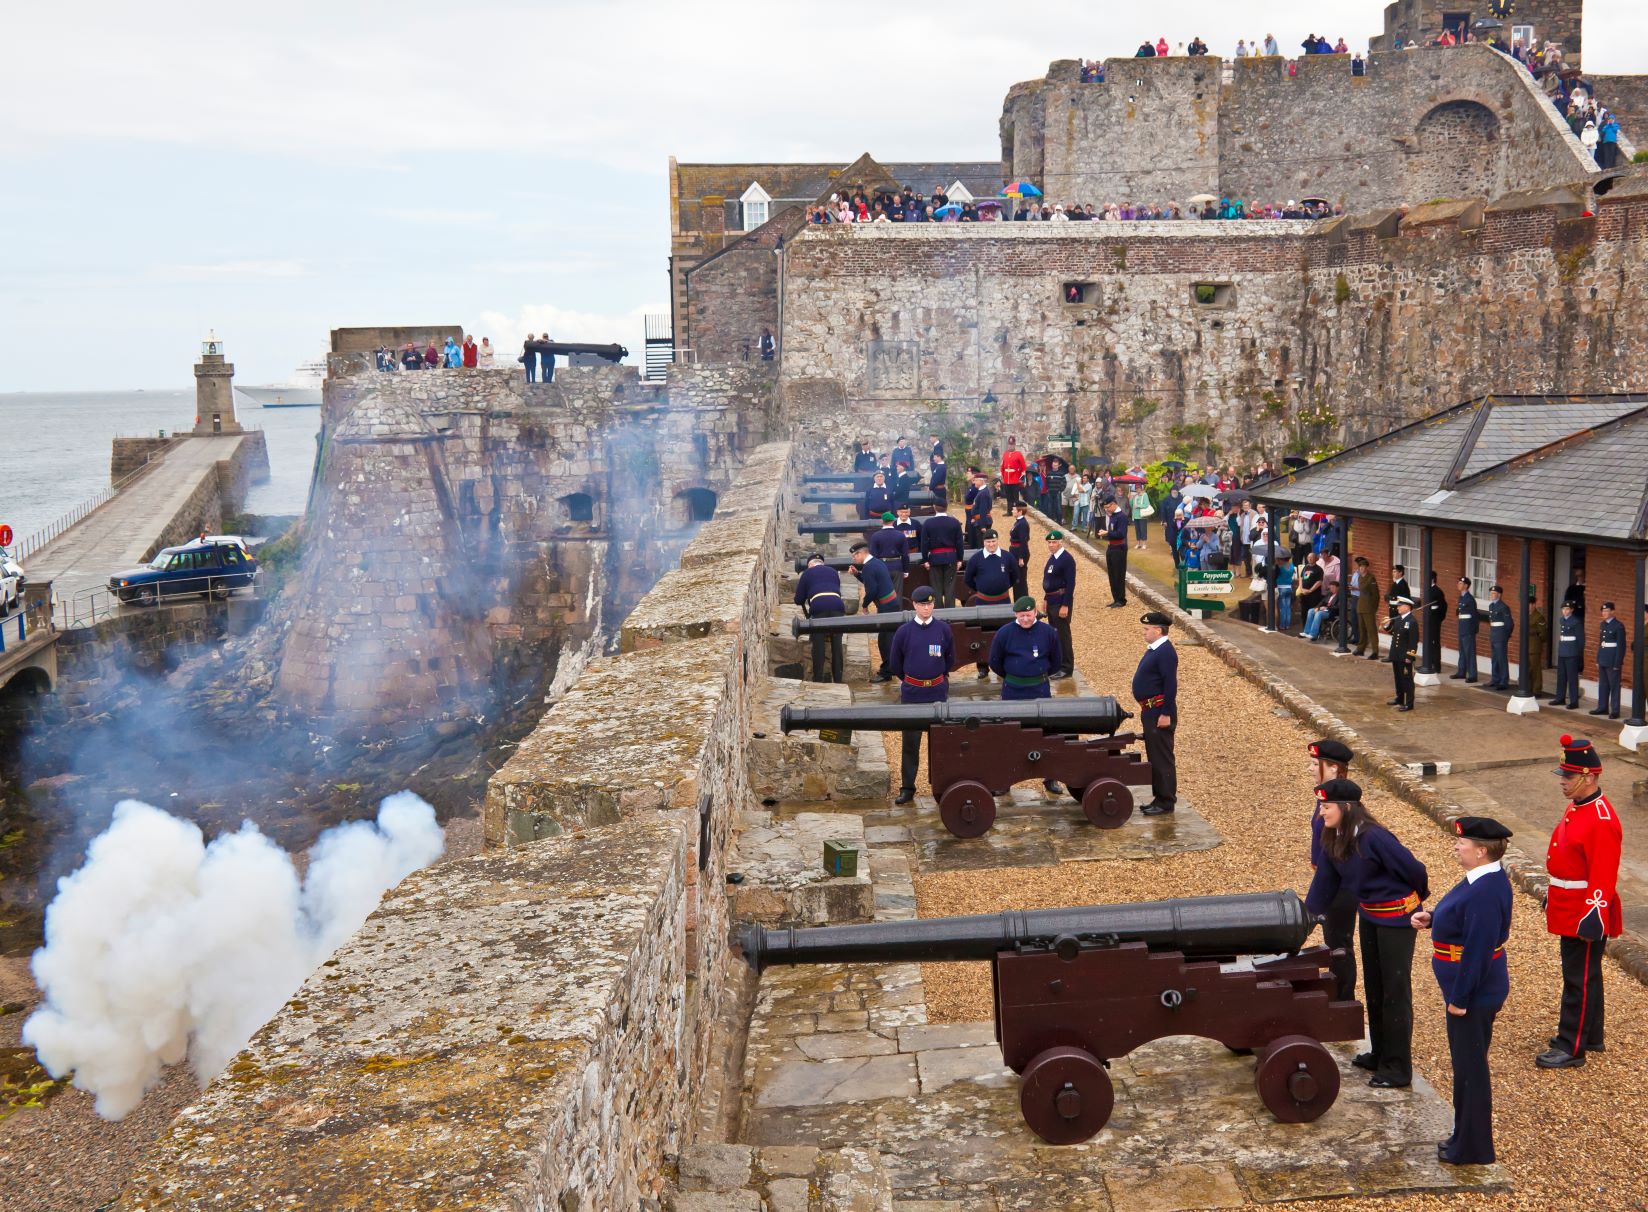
x=54 y=448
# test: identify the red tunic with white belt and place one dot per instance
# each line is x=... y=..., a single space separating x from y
x=1583 y=863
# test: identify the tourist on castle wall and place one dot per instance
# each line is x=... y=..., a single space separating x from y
x=431 y=356
x=1271 y=48
x=486 y=353
x=1241 y=48
x=471 y=353
x=529 y=358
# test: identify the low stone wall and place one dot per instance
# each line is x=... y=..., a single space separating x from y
x=129 y=454
x=529 y=1028
x=217 y=496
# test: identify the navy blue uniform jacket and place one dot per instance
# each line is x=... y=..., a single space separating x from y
x=1570 y=637
x=990 y=575
x=1389 y=884
x=1610 y=647
x=877 y=501
x=935 y=478
x=890 y=546
x=1026 y=652
x=1018 y=539
x=1115 y=527
x=941 y=540
x=978 y=508
x=818 y=592
x=878 y=584
x=1465 y=612
x=1158 y=677
x=1058 y=580
x=1469 y=927
x=911 y=530
x=923 y=653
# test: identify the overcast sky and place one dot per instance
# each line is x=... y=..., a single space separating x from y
x=278 y=170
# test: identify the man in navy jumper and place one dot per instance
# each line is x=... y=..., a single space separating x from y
x=1156 y=690
x=903 y=454
x=864 y=458
x=920 y=657
x=1058 y=590
x=891 y=547
x=989 y=580
x=910 y=529
x=1018 y=546
x=818 y=593
x=941 y=547
x=879 y=595
x=979 y=507
x=1024 y=654
x=1115 y=550
x=878 y=499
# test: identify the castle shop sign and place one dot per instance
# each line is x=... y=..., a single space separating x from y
x=893 y=366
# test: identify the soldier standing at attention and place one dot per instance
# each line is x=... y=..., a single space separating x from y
x=1156 y=690
x=1436 y=613
x=878 y=498
x=1365 y=589
x=1582 y=904
x=1115 y=550
x=1539 y=637
x=935 y=480
x=971 y=494
x=879 y=595
x=1468 y=931
x=1610 y=663
x=1570 y=642
x=1390 y=887
x=1013 y=468
x=1398 y=589
x=979 y=507
x=1404 y=647
x=1332 y=759
x=903 y=454
x=891 y=547
x=920 y=658
x=1018 y=547
x=910 y=529
x=940 y=545
x=989 y=580
x=1058 y=591
x=864 y=459
x=1500 y=627
x=1465 y=612
x=1024 y=654
x=904 y=483
x=818 y=593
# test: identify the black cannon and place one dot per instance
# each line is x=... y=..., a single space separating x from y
x=971 y=627
x=609 y=353
x=857 y=481
x=917 y=574
x=1076 y=988
x=825 y=526
x=978 y=748
x=922 y=502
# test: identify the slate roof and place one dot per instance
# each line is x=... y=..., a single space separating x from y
x=806 y=182
x=1567 y=468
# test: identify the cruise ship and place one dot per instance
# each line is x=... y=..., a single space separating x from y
x=302 y=390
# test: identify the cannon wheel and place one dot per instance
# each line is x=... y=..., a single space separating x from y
x=1107 y=803
x=1066 y=1095
x=1297 y=1078
x=967 y=808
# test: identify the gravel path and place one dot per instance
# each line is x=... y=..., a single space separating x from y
x=1565 y=1135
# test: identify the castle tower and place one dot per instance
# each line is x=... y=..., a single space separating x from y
x=214 y=391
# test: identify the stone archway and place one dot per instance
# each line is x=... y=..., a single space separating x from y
x=1458 y=150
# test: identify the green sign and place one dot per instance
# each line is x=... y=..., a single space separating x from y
x=1063 y=439
x=1201 y=588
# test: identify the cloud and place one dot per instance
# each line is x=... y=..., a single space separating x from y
x=233 y=271
x=508 y=332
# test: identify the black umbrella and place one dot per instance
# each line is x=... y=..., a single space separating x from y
x=1295 y=461
x=1175 y=464
x=1235 y=494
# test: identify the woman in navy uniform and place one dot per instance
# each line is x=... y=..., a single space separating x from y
x=920 y=657
x=1156 y=690
x=1058 y=590
x=1390 y=887
x=1468 y=928
x=1332 y=760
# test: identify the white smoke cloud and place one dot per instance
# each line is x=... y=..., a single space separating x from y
x=161 y=947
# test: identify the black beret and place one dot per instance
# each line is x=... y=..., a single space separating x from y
x=922 y=594
x=859 y=546
x=1330 y=750
x=1155 y=618
x=1338 y=791
x=1481 y=828
x=988 y=534
x=815 y=558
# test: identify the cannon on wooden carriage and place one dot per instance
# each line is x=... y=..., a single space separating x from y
x=823 y=528
x=916 y=575
x=1077 y=988
x=855 y=481
x=971 y=627
x=978 y=748
x=922 y=501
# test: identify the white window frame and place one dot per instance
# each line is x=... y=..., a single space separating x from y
x=756 y=205
x=1410 y=556
x=1481 y=560
x=959 y=192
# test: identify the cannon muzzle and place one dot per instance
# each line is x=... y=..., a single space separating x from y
x=1095 y=714
x=843 y=563
x=857 y=481
x=852 y=624
x=824 y=526
x=1204 y=927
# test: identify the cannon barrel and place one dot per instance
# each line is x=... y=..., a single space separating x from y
x=920 y=496
x=1263 y=923
x=858 y=481
x=612 y=353
x=842 y=563
x=824 y=526
x=1097 y=714
x=849 y=624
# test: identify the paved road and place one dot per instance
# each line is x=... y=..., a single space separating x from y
x=118 y=534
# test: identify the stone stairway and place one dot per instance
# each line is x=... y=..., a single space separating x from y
x=780 y=1178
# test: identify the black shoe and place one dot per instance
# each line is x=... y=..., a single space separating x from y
x=1613 y=715
x=1393 y=702
x=1373 y=656
x=1380 y=1081
x=1454 y=677
x=1405 y=707
x=882 y=675
x=1558 y=1059
x=1574 y=706
x=905 y=796
x=1470 y=681
x=1597 y=711
x=1155 y=809
x=1052 y=787
x=1365 y=1060
x=984 y=675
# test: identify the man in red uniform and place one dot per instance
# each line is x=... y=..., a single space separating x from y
x=1582 y=907
x=1013 y=468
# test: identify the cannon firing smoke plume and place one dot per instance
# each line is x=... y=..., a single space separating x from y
x=161 y=946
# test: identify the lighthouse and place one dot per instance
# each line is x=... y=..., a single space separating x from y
x=214 y=393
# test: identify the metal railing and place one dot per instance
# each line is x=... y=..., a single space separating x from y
x=90 y=606
x=33 y=544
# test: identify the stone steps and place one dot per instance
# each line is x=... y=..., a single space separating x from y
x=780 y=1178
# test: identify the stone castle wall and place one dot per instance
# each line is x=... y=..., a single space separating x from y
x=1419 y=125
x=1312 y=335
x=555 y=1054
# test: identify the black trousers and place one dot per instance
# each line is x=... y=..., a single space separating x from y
x=910 y=758
x=1158 y=751
x=1499 y=662
x=1061 y=624
x=1467 y=655
x=1012 y=494
x=1339 y=931
x=1580 y=1024
x=1387 y=979
x=1115 y=564
x=1468 y=1038
x=1567 y=681
x=1608 y=688
x=1402 y=671
x=942 y=578
x=1021 y=571
x=884 y=645
x=834 y=641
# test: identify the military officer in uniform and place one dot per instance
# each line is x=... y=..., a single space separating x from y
x=936 y=479
x=905 y=481
x=920 y=657
x=979 y=505
x=909 y=528
x=902 y=454
x=1156 y=690
x=1365 y=591
x=989 y=580
x=891 y=547
x=1582 y=904
x=1436 y=613
x=1024 y=654
x=879 y=596
x=878 y=498
x=1539 y=639
x=1468 y=928
x=1398 y=589
x=1570 y=646
x=1018 y=547
x=864 y=459
x=1465 y=612
x=1115 y=550
x=1058 y=591
x=1404 y=648
x=818 y=593
x=1610 y=663
x=941 y=544
x=1332 y=760
x=1500 y=628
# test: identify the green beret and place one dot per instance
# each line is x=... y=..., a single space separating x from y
x=1054 y=534
x=1025 y=603
x=888 y=517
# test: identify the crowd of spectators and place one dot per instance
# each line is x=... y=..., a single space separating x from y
x=1092 y=70
x=882 y=206
x=449 y=356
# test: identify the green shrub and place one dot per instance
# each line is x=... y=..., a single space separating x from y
x=1640 y=157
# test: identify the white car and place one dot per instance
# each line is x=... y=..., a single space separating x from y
x=11 y=584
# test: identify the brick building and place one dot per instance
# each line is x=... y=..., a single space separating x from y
x=1535 y=22
x=1512 y=490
